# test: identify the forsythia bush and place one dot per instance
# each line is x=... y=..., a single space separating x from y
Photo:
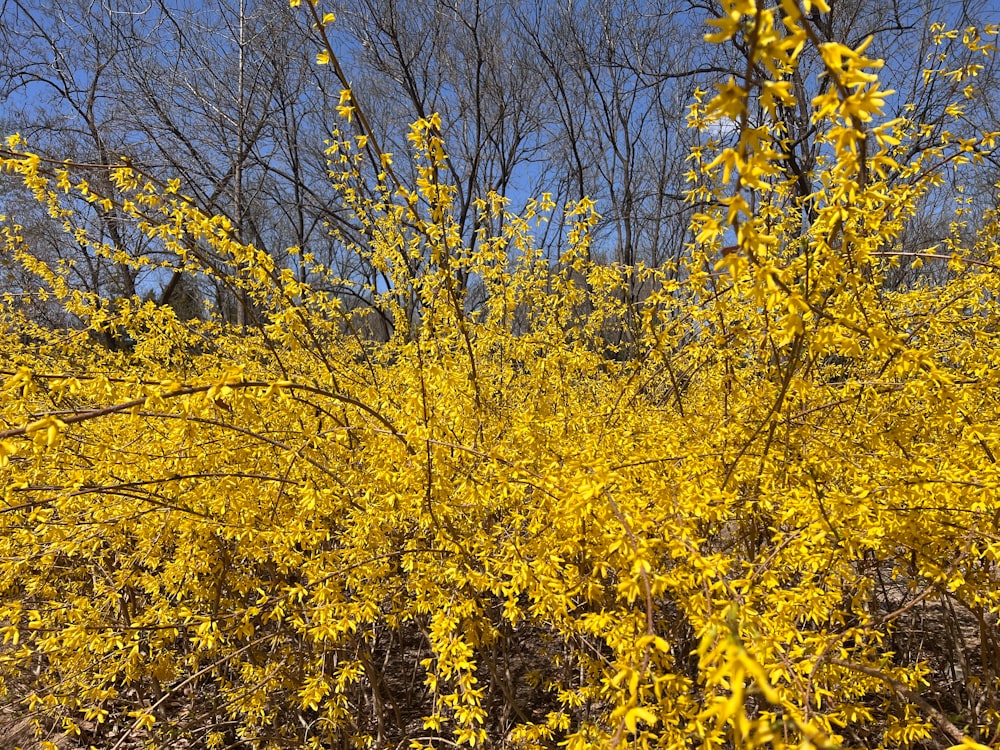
x=608 y=507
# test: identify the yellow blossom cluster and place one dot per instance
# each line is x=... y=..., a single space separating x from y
x=556 y=518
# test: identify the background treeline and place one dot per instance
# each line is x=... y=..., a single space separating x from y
x=571 y=98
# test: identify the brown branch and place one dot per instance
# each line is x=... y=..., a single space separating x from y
x=83 y=416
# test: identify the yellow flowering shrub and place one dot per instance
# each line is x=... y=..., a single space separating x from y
x=556 y=518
